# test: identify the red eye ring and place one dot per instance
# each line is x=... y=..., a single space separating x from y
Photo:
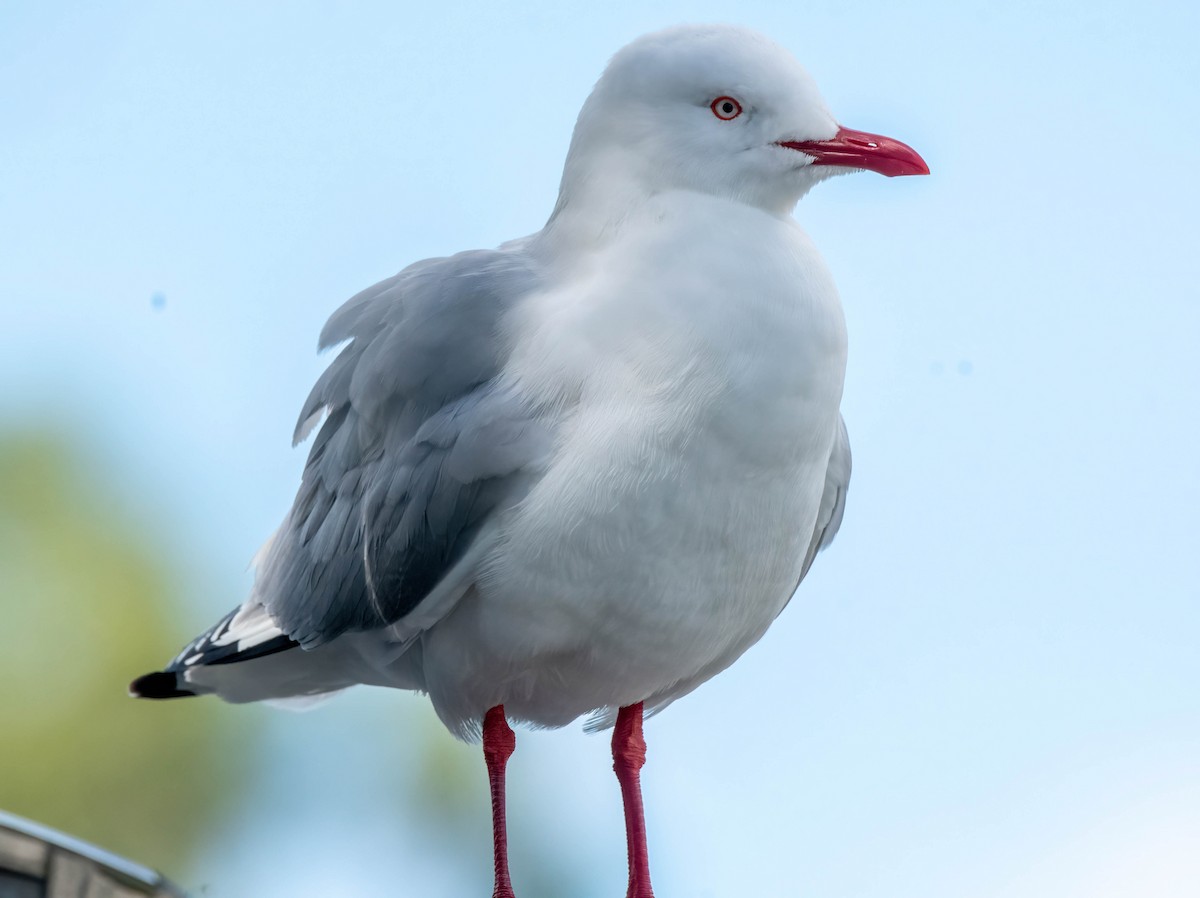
x=726 y=108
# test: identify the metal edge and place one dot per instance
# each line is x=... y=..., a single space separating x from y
x=126 y=869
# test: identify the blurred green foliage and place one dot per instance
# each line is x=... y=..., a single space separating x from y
x=85 y=604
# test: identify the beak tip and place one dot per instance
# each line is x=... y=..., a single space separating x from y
x=917 y=167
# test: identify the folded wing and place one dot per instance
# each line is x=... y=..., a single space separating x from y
x=420 y=446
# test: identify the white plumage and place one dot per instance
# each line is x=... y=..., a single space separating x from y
x=590 y=468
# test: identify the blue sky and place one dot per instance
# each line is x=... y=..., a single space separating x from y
x=988 y=686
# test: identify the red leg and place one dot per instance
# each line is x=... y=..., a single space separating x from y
x=498 y=745
x=629 y=754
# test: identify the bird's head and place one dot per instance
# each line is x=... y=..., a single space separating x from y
x=719 y=110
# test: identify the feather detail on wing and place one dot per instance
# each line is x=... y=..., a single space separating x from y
x=833 y=499
x=244 y=634
x=420 y=445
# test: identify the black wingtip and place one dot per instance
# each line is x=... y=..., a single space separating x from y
x=160 y=684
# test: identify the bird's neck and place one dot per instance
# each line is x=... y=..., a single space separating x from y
x=602 y=190
x=598 y=194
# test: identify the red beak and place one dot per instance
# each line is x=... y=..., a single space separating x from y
x=858 y=149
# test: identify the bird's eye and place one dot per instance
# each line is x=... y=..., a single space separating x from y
x=726 y=108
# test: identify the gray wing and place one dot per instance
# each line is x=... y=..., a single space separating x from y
x=833 y=499
x=420 y=445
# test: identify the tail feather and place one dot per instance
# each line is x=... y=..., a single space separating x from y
x=160 y=684
x=246 y=657
x=245 y=634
